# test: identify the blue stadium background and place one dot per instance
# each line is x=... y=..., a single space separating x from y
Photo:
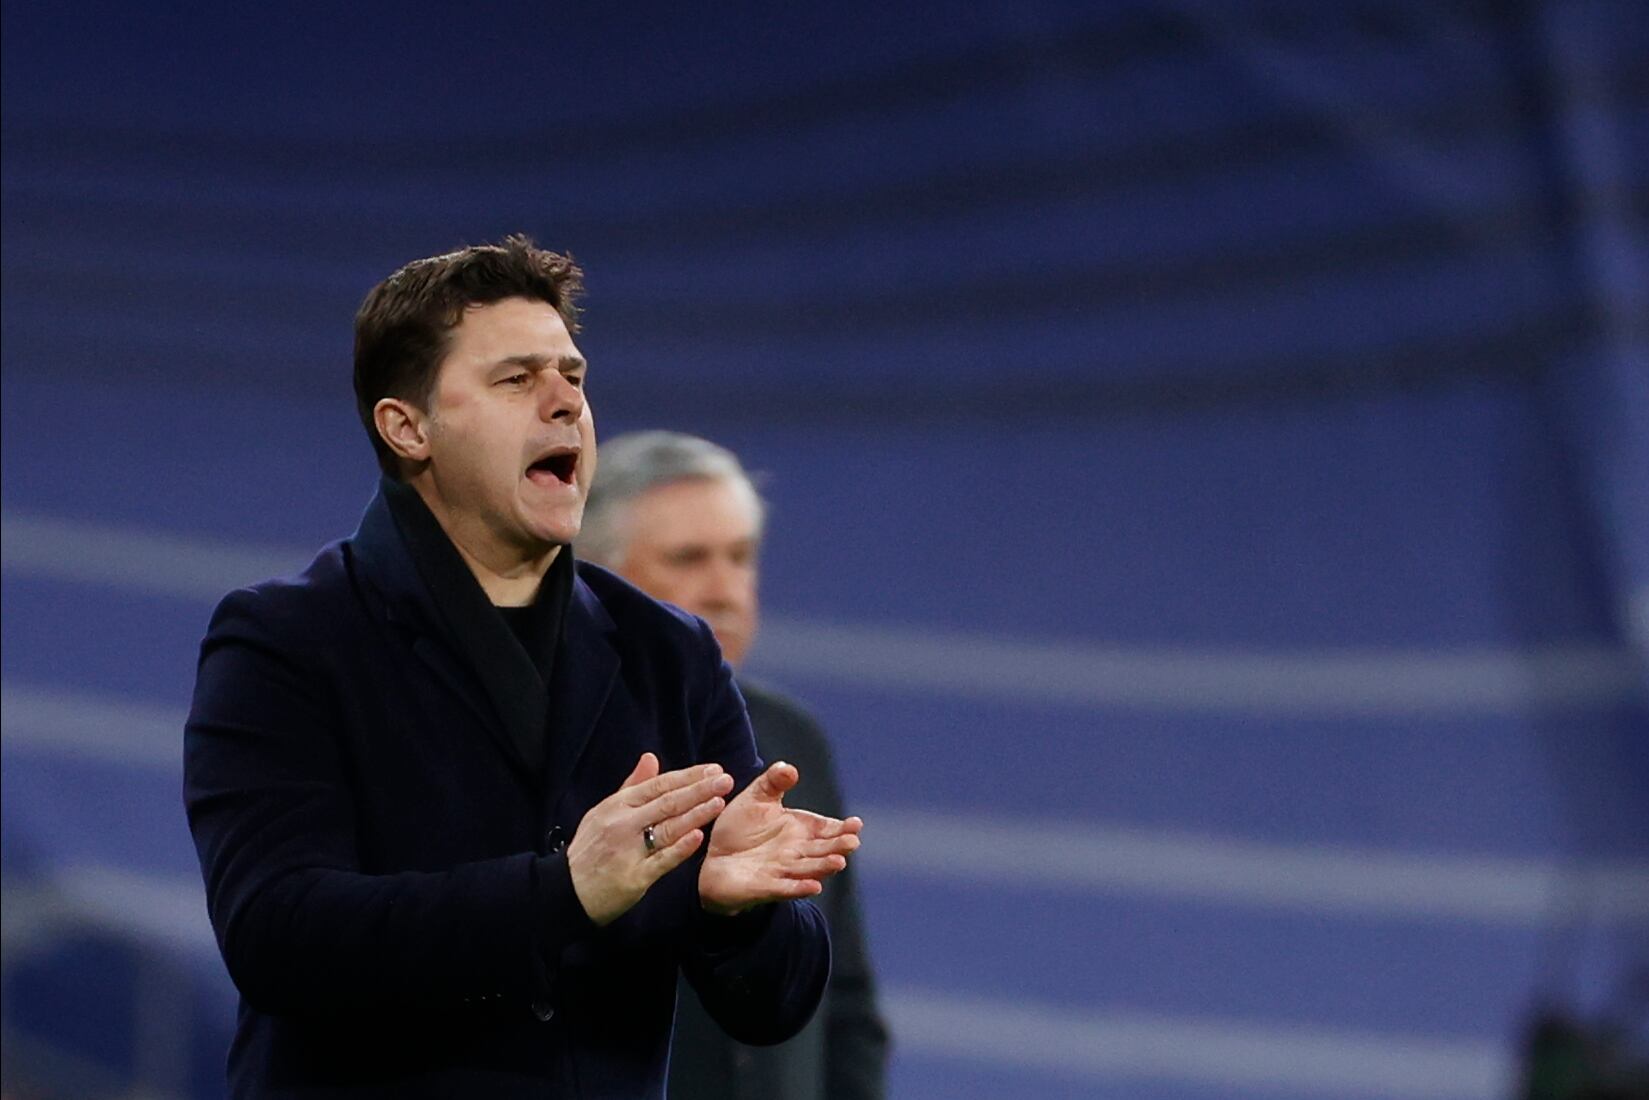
x=1207 y=445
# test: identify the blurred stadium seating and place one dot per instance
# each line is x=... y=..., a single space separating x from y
x=1207 y=447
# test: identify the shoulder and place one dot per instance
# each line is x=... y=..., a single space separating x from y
x=643 y=623
x=772 y=709
x=297 y=608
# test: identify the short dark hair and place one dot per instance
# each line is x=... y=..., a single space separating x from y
x=403 y=328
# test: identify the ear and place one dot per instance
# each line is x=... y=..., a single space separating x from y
x=404 y=427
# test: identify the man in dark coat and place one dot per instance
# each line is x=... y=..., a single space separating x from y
x=453 y=793
x=679 y=516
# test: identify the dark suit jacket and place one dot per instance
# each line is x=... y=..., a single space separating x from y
x=842 y=1053
x=385 y=865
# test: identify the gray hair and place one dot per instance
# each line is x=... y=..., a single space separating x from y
x=629 y=465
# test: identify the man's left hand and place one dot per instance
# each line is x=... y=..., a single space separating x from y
x=762 y=851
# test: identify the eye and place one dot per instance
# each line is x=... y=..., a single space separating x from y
x=687 y=556
x=575 y=380
x=515 y=379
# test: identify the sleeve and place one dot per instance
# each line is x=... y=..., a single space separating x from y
x=300 y=926
x=762 y=973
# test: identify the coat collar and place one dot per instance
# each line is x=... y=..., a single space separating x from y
x=585 y=670
x=459 y=635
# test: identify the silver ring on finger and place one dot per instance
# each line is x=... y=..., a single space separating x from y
x=649 y=837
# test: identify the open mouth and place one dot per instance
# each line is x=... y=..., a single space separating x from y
x=559 y=465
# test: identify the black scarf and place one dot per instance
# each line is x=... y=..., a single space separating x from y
x=515 y=669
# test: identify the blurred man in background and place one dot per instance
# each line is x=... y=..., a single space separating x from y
x=679 y=517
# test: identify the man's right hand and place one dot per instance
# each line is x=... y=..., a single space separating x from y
x=608 y=857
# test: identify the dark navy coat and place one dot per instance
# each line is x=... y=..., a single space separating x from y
x=382 y=822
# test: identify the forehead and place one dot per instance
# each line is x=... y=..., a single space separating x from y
x=696 y=510
x=509 y=329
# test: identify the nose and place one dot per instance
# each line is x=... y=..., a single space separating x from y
x=559 y=399
x=730 y=584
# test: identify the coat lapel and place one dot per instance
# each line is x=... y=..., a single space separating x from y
x=440 y=661
x=586 y=668
x=459 y=636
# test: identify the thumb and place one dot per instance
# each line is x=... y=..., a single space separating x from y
x=645 y=769
x=777 y=779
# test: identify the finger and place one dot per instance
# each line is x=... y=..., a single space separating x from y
x=833 y=846
x=666 y=831
x=819 y=826
x=668 y=859
x=645 y=769
x=645 y=792
x=771 y=784
x=820 y=868
x=682 y=799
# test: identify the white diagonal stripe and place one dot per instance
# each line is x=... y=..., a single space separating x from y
x=1093 y=856
x=1376 y=682
x=143 y=561
x=86 y=728
x=1063 y=855
x=168 y=909
x=1120 y=1046
x=1384 y=683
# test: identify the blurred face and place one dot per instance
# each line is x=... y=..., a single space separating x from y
x=694 y=544
x=509 y=436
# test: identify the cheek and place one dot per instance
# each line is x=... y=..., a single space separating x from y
x=586 y=435
x=660 y=580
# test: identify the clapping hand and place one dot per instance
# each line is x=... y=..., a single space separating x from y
x=762 y=851
x=641 y=832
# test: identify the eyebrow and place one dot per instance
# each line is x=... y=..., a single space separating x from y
x=538 y=362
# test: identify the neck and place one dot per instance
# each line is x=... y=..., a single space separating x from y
x=510 y=576
x=510 y=585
